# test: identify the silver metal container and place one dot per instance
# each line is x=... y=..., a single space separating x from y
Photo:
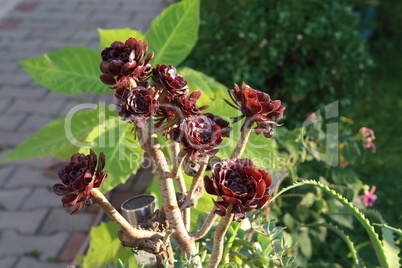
x=134 y=209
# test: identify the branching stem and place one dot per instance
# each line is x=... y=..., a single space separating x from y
x=220 y=231
x=208 y=223
x=244 y=136
x=102 y=201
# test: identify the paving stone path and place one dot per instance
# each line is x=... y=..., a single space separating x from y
x=35 y=231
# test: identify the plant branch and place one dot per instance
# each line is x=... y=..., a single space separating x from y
x=220 y=231
x=244 y=136
x=102 y=201
x=195 y=191
x=170 y=205
x=208 y=223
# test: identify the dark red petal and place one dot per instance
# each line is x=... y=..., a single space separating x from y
x=231 y=200
x=210 y=186
x=60 y=189
x=69 y=200
x=253 y=106
x=266 y=177
x=252 y=171
x=108 y=79
x=261 y=186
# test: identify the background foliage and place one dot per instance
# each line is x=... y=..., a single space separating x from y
x=306 y=53
x=291 y=53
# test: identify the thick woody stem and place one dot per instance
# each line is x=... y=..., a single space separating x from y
x=102 y=201
x=242 y=143
x=193 y=194
x=210 y=220
x=220 y=231
x=170 y=205
x=178 y=157
x=177 y=162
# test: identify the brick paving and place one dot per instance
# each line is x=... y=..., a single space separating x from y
x=35 y=231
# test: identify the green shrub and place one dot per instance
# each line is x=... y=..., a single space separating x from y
x=310 y=51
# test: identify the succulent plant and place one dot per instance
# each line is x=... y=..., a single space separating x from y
x=201 y=134
x=136 y=105
x=122 y=62
x=258 y=106
x=239 y=184
x=79 y=176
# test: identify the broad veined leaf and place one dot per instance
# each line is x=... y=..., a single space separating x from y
x=108 y=36
x=60 y=138
x=105 y=247
x=123 y=153
x=210 y=88
x=68 y=70
x=174 y=32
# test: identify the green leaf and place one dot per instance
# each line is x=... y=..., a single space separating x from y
x=391 y=250
x=68 y=70
x=123 y=154
x=210 y=88
x=375 y=241
x=105 y=247
x=58 y=138
x=108 y=36
x=174 y=32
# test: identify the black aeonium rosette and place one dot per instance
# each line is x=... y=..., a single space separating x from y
x=239 y=184
x=79 y=176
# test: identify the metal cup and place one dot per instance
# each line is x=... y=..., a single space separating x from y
x=138 y=207
x=134 y=209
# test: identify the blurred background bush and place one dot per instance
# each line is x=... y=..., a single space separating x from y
x=310 y=53
x=307 y=53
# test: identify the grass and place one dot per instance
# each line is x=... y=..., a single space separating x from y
x=381 y=110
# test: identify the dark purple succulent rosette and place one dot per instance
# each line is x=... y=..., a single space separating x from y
x=124 y=61
x=79 y=176
x=166 y=77
x=136 y=105
x=258 y=106
x=201 y=134
x=178 y=107
x=239 y=184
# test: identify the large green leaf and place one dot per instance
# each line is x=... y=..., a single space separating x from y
x=123 y=154
x=68 y=70
x=60 y=138
x=174 y=32
x=108 y=36
x=105 y=248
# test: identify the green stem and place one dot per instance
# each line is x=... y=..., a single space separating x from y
x=375 y=241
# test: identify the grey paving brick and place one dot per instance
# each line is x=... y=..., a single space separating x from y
x=61 y=220
x=24 y=222
x=27 y=262
x=42 y=197
x=4 y=103
x=28 y=163
x=12 y=199
x=10 y=122
x=34 y=122
x=21 y=106
x=5 y=174
x=14 y=244
x=26 y=176
x=8 y=261
x=12 y=138
x=21 y=92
